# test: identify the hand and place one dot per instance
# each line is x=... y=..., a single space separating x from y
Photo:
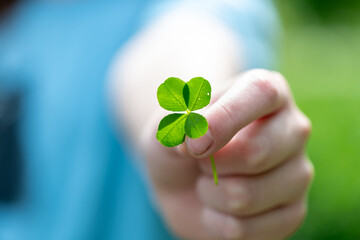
x=257 y=136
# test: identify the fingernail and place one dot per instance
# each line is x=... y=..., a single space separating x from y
x=199 y=146
x=221 y=225
x=237 y=199
x=233 y=229
x=235 y=190
x=235 y=205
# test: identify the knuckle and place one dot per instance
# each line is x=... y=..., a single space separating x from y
x=305 y=126
x=282 y=80
x=256 y=163
x=308 y=172
x=265 y=82
x=252 y=155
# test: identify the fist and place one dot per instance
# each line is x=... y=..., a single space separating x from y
x=257 y=136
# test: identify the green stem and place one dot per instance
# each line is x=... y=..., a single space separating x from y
x=214 y=169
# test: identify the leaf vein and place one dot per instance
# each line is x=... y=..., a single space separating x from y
x=195 y=126
x=197 y=96
x=175 y=96
x=179 y=121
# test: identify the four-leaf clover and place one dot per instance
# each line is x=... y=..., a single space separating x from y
x=177 y=96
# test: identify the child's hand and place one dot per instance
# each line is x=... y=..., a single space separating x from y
x=257 y=136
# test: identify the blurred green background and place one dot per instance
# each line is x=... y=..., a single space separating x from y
x=320 y=57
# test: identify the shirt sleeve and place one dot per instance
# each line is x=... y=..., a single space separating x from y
x=254 y=22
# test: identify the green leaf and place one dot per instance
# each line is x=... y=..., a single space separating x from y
x=170 y=95
x=186 y=94
x=199 y=93
x=195 y=125
x=171 y=130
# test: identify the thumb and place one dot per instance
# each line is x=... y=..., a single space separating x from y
x=200 y=147
x=255 y=94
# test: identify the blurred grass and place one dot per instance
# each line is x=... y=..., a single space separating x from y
x=322 y=64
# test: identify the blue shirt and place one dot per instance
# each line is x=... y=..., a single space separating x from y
x=78 y=180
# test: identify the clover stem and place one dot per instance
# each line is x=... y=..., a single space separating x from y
x=214 y=169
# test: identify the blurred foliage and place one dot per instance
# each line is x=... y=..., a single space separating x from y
x=334 y=10
x=326 y=12
x=321 y=62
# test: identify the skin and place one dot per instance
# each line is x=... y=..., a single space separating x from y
x=256 y=133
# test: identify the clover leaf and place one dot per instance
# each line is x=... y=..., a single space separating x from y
x=199 y=93
x=195 y=125
x=170 y=95
x=171 y=131
x=177 y=96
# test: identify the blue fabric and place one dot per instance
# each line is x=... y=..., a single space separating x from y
x=79 y=182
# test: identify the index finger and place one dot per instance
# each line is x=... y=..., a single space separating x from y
x=255 y=94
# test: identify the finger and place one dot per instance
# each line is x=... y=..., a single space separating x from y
x=246 y=196
x=256 y=94
x=274 y=225
x=262 y=145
